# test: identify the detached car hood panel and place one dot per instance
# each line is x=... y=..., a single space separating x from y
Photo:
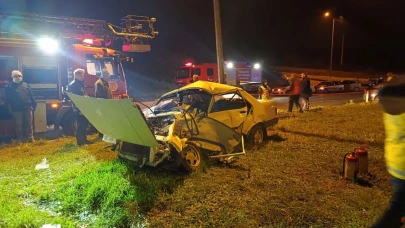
x=119 y=119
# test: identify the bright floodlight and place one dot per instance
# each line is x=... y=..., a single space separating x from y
x=48 y=45
x=256 y=66
x=229 y=65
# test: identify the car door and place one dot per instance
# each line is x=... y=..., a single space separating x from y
x=230 y=109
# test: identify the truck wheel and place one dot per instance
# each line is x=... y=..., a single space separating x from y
x=257 y=135
x=68 y=124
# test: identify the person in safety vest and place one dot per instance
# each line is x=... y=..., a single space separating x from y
x=264 y=91
x=392 y=100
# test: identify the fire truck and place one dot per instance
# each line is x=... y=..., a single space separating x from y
x=242 y=71
x=47 y=49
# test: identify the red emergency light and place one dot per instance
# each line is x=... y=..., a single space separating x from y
x=189 y=64
x=91 y=42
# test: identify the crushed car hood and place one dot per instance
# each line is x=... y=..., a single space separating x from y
x=119 y=119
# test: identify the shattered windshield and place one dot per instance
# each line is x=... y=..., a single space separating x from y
x=193 y=97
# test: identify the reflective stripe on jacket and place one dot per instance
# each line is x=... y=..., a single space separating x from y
x=395 y=144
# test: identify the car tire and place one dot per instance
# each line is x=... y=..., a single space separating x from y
x=257 y=135
x=193 y=159
x=356 y=89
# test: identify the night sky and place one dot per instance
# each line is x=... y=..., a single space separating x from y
x=278 y=32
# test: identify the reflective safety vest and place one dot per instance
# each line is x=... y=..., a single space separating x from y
x=395 y=144
x=265 y=93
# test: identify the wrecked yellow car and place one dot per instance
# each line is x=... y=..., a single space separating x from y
x=203 y=119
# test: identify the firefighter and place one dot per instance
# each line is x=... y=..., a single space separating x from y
x=264 y=91
x=102 y=89
x=392 y=99
x=20 y=103
x=77 y=87
x=195 y=78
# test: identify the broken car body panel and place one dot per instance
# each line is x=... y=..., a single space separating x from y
x=119 y=119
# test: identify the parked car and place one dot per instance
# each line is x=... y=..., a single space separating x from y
x=202 y=119
x=371 y=94
x=287 y=90
x=252 y=88
x=329 y=86
x=351 y=85
x=281 y=89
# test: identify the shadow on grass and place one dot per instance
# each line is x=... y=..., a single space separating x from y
x=151 y=182
x=275 y=138
x=334 y=138
x=67 y=148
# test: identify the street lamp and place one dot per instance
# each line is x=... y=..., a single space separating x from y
x=327 y=14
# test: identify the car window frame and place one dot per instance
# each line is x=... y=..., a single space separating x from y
x=222 y=94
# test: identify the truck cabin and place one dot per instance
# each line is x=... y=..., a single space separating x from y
x=206 y=72
x=93 y=60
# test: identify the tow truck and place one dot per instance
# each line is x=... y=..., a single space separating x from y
x=47 y=49
x=242 y=71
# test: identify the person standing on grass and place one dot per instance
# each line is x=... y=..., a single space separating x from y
x=392 y=101
x=306 y=91
x=77 y=87
x=295 y=95
x=20 y=102
x=102 y=89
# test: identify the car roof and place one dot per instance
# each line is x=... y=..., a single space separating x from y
x=210 y=87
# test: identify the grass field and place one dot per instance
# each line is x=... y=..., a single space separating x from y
x=292 y=180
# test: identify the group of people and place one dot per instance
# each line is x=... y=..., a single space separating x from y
x=300 y=89
x=21 y=104
x=101 y=90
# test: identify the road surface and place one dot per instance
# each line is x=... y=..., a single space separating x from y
x=324 y=99
x=316 y=100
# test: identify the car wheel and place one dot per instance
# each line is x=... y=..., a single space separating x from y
x=193 y=159
x=257 y=134
x=356 y=89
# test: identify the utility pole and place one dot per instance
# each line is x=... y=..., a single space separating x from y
x=331 y=48
x=341 y=55
x=218 y=38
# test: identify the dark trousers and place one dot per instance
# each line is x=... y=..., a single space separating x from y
x=81 y=130
x=23 y=122
x=294 y=99
x=305 y=102
x=396 y=210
